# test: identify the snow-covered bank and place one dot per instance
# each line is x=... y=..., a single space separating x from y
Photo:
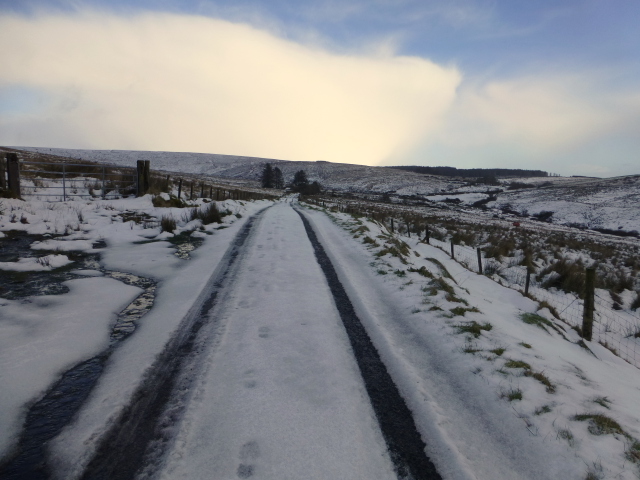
x=42 y=336
x=499 y=397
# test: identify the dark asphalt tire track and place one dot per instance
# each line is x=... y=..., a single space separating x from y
x=406 y=446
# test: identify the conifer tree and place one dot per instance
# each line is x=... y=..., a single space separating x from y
x=278 y=180
x=267 y=176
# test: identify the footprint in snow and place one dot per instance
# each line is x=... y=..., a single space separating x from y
x=248 y=452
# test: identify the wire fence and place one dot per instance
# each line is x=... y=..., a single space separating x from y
x=67 y=180
x=617 y=330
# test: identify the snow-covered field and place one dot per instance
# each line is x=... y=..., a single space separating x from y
x=42 y=336
x=611 y=203
x=446 y=336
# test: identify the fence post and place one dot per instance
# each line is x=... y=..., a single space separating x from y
x=211 y=192
x=3 y=174
x=426 y=235
x=146 y=177
x=408 y=230
x=589 y=303
x=191 y=192
x=103 y=182
x=202 y=190
x=527 y=282
x=140 y=178
x=479 y=261
x=452 y=252
x=391 y=224
x=179 y=188
x=13 y=171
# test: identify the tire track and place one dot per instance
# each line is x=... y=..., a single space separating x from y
x=146 y=423
x=406 y=447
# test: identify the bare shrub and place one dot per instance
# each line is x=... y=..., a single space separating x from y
x=168 y=223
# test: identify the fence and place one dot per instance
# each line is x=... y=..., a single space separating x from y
x=619 y=331
x=62 y=181
x=70 y=180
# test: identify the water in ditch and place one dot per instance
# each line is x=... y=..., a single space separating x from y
x=51 y=413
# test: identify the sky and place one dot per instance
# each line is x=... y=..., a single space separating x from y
x=549 y=85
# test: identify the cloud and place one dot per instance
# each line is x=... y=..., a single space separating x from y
x=163 y=81
x=569 y=124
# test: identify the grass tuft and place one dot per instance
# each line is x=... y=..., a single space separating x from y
x=474 y=328
x=542 y=409
x=633 y=452
x=168 y=223
x=460 y=311
x=603 y=402
x=422 y=271
x=542 y=378
x=517 y=364
x=208 y=214
x=512 y=394
x=535 y=319
x=498 y=351
x=600 y=424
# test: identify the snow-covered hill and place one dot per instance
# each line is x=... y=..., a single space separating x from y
x=610 y=203
x=334 y=176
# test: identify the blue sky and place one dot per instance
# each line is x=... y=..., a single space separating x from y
x=470 y=83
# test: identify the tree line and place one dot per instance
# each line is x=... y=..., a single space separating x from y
x=272 y=178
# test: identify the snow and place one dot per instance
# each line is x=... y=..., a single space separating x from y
x=64 y=245
x=456 y=384
x=179 y=294
x=45 y=263
x=281 y=395
x=42 y=336
x=290 y=390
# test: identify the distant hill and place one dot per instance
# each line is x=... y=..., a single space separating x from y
x=333 y=176
x=474 y=172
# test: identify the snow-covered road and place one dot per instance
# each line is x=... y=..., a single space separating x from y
x=279 y=394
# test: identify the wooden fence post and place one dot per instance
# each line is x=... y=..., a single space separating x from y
x=479 y=261
x=391 y=224
x=191 y=192
x=3 y=173
x=179 y=188
x=13 y=171
x=146 y=177
x=426 y=235
x=527 y=281
x=452 y=252
x=143 y=167
x=211 y=192
x=589 y=303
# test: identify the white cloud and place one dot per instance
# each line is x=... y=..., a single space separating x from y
x=188 y=83
x=571 y=124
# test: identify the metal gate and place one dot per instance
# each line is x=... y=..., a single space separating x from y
x=68 y=180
